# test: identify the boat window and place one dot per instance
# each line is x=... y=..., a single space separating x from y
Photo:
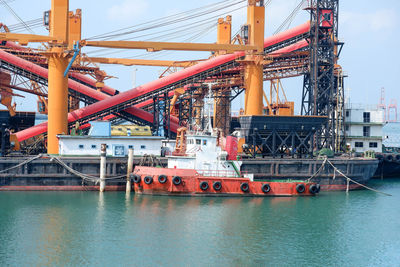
x=359 y=144
x=146 y=129
x=204 y=142
x=81 y=146
x=143 y=147
x=130 y=146
x=373 y=144
x=198 y=141
x=119 y=129
x=94 y=146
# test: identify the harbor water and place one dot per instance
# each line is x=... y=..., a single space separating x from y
x=361 y=228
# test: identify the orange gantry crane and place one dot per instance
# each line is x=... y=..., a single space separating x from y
x=60 y=51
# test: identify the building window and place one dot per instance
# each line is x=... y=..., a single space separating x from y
x=94 y=146
x=366 y=131
x=81 y=146
x=118 y=150
x=198 y=141
x=142 y=147
x=347 y=127
x=359 y=144
x=373 y=144
x=347 y=113
x=367 y=117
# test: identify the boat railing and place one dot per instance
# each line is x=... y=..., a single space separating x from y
x=220 y=173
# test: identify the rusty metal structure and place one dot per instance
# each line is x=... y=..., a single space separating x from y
x=177 y=98
x=320 y=88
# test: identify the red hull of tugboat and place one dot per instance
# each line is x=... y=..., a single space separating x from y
x=189 y=183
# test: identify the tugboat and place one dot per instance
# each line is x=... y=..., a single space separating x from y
x=200 y=167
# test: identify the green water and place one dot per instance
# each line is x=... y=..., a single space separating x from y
x=89 y=229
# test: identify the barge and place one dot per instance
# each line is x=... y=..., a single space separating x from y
x=45 y=173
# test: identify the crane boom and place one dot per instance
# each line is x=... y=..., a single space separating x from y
x=24 y=39
x=141 y=62
x=158 y=46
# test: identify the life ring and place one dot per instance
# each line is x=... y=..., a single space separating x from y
x=244 y=187
x=300 y=188
x=204 y=186
x=266 y=188
x=177 y=180
x=217 y=185
x=397 y=157
x=313 y=189
x=136 y=178
x=148 y=180
x=162 y=179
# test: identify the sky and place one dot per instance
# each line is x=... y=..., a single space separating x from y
x=369 y=29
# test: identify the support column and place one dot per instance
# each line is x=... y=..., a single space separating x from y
x=222 y=115
x=58 y=99
x=74 y=35
x=57 y=83
x=253 y=79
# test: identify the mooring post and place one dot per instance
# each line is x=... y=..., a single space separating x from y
x=129 y=170
x=103 y=154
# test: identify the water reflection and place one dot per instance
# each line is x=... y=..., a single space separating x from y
x=93 y=229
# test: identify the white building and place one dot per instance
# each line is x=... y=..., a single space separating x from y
x=117 y=146
x=363 y=127
x=391 y=136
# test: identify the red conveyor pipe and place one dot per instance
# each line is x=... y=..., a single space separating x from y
x=79 y=76
x=43 y=72
x=286 y=35
x=294 y=47
x=162 y=82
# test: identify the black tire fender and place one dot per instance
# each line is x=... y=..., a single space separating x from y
x=148 y=180
x=300 y=188
x=313 y=189
x=136 y=178
x=176 y=180
x=162 y=179
x=245 y=187
x=217 y=185
x=204 y=185
x=266 y=188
